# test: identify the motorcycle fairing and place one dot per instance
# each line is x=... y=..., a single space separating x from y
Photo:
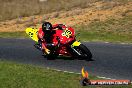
x=65 y=36
x=32 y=32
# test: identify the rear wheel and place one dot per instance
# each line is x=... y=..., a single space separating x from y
x=84 y=52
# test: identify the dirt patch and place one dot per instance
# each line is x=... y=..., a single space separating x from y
x=99 y=11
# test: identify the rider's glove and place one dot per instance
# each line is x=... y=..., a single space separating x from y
x=47 y=51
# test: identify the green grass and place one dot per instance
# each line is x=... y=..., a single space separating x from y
x=13 y=35
x=103 y=37
x=14 y=75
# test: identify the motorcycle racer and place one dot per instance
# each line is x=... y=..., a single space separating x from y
x=45 y=36
x=58 y=40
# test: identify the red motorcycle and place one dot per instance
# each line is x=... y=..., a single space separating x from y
x=66 y=44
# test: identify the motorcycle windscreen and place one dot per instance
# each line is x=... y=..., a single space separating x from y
x=32 y=32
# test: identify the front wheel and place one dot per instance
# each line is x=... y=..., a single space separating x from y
x=84 y=52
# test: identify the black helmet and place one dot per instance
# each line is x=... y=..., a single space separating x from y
x=46 y=26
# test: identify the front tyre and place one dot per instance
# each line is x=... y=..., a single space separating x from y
x=85 y=52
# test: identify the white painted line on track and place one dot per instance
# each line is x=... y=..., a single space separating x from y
x=105 y=78
x=79 y=73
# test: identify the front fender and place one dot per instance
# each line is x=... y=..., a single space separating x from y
x=76 y=43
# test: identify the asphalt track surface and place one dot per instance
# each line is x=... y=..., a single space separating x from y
x=112 y=60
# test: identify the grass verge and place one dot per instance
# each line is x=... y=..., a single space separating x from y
x=13 y=35
x=13 y=75
x=103 y=37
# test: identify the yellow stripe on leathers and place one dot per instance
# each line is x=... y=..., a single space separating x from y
x=32 y=32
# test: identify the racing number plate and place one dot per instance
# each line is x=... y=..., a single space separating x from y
x=67 y=33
